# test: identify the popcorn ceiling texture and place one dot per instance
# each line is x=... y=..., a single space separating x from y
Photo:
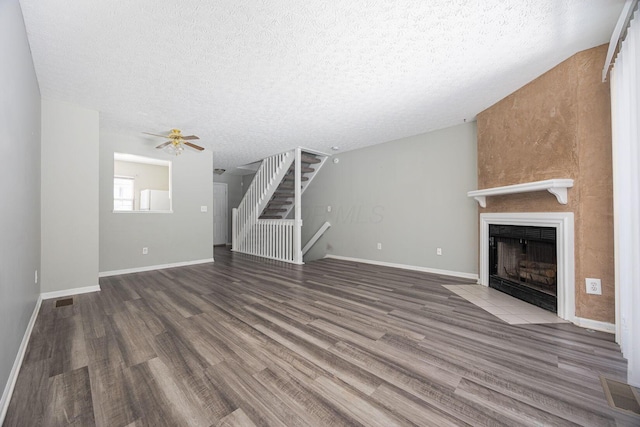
x=254 y=78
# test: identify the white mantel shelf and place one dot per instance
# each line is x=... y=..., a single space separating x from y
x=557 y=187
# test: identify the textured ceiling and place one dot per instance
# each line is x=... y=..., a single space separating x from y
x=256 y=77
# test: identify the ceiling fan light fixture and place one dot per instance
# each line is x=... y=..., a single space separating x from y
x=176 y=142
x=175 y=147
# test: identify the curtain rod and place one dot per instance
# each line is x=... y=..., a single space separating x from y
x=618 y=35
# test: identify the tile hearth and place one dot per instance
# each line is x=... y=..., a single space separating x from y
x=505 y=307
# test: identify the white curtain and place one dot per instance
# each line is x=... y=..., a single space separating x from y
x=625 y=105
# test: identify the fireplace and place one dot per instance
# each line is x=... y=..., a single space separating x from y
x=523 y=263
x=537 y=241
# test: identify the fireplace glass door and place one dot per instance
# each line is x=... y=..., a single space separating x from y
x=523 y=263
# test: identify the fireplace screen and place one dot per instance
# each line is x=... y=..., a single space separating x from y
x=523 y=263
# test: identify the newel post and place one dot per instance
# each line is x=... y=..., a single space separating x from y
x=234 y=228
x=297 y=206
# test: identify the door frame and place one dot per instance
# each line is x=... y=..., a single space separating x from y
x=226 y=213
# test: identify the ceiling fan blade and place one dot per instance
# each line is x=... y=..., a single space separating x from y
x=164 y=144
x=155 y=134
x=190 y=137
x=197 y=147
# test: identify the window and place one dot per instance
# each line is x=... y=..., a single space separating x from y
x=123 y=193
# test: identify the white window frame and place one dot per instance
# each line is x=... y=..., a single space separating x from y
x=131 y=179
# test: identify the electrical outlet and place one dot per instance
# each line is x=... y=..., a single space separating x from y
x=594 y=286
x=328 y=208
x=203 y=208
x=145 y=251
x=379 y=246
x=438 y=251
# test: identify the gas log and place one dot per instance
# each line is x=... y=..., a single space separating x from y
x=538 y=272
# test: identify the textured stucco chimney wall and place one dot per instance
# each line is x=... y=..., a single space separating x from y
x=559 y=126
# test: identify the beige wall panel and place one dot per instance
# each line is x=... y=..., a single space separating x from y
x=558 y=126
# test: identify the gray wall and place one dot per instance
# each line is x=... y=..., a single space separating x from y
x=410 y=195
x=182 y=236
x=234 y=193
x=246 y=182
x=70 y=136
x=19 y=185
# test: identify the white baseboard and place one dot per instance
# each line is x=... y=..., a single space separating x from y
x=153 y=267
x=470 y=276
x=69 y=292
x=595 y=325
x=17 y=364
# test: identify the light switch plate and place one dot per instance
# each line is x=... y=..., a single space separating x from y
x=203 y=208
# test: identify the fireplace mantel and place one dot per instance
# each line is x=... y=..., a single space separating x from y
x=557 y=187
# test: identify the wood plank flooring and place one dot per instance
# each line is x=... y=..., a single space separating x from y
x=251 y=342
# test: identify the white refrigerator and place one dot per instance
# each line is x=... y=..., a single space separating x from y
x=154 y=200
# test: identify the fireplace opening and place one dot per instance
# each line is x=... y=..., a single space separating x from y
x=523 y=263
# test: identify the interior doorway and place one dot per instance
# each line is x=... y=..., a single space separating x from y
x=220 y=216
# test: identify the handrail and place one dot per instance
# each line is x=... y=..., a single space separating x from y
x=315 y=237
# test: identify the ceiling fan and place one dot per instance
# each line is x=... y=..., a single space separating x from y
x=176 y=142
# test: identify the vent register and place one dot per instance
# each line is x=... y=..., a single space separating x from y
x=64 y=302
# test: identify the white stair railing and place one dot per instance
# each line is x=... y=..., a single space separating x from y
x=278 y=239
x=272 y=238
x=264 y=184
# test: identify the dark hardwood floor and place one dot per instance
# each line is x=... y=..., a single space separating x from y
x=246 y=341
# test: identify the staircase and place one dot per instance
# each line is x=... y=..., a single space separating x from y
x=261 y=224
x=282 y=201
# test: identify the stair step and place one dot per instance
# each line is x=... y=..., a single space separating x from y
x=277 y=202
x=273 y=210
x=270 y=217
x=287 y=186
x=303 y=169
x=292 y=178
x=308 y=158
